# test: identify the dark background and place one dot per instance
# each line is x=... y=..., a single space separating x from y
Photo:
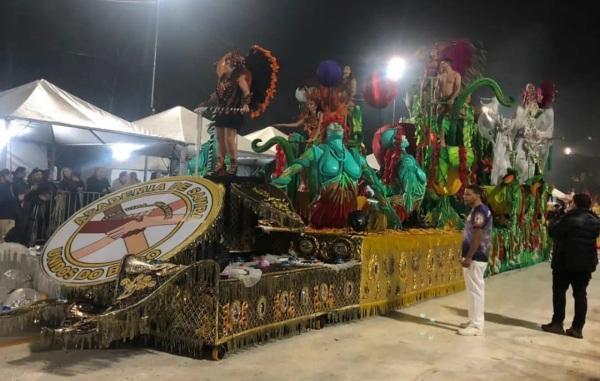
x=101 y=51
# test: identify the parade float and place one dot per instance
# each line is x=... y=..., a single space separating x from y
x=204 y=265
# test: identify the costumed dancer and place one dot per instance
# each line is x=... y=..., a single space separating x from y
x=447 y=88
x=310 y=120
x=246 y=85
x=348 y=86
x=233 y=96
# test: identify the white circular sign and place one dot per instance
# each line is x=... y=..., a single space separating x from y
x=152 y=220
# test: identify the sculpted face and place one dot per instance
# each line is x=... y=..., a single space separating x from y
x=530 y=88
x=335 y=132
x=531 y=93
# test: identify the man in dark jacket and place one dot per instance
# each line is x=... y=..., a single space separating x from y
x=8 y=203
x=574 y=260
x=31 y=219
x=20 y=186
x=98 y=183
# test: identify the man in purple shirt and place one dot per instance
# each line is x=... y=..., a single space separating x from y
x=476 y=243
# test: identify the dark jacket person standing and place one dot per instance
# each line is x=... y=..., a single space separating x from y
x=574 y=260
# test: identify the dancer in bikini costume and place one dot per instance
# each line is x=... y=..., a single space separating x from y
x=246 y=86
x=233 y=96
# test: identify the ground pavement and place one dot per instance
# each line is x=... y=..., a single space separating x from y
x=416 y=343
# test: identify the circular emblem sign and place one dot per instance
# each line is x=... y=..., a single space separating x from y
x=152 y=220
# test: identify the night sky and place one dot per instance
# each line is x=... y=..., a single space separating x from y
x=102 y=50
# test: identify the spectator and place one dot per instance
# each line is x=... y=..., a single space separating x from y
x=133 y=179
x=8 y=203
x=31 y=217
x=74 y=186
x=156 y=175
x=46 y=179
x=20 y=186
x=98 y=183
x=120 y=182
x=70 y=182
x=574 y=260
x=36 y=177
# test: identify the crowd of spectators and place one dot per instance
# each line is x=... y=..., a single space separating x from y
x=24 y=198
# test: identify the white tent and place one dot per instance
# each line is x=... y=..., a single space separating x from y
x=177 y=123
x=265 y=134
x=181 y=124
x=39 y=113
x=43 y=113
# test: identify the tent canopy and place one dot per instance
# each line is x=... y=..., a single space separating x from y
x=181 y=124
x=177 y=123
x=43 y=113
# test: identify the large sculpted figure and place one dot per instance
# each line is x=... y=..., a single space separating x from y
x=500 y=131
x=522 y=142
x=338 y=172
x=405 y=180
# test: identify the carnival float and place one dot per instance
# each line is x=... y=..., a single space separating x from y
x=204 y=264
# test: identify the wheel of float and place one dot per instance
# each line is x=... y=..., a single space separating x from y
x=320 y=323
x=218 y=352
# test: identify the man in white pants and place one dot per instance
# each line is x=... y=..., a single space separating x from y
x=476 y=242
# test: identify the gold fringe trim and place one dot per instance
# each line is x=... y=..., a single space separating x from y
x=151 y=315
x=266 y=207
x=382 y=307
x=288 y=328
x=43 y=313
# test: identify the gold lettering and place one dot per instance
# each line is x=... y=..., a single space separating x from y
x=83 y=274
x=179 y=187
x=152 y=254
x=130 y=194
x=200 y=201
x=55 y=252
x=95 y=274
x=113 y=270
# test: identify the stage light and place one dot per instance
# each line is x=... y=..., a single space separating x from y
x=10 y=129
x=395 y=68
x=122 y=151
x=568 y=150
x=18 y=128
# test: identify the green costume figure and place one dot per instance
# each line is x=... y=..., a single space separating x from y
x=406 y=179
x=207 y=156
x=338 y=172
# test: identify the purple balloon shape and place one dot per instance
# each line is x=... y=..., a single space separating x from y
x=329 y=73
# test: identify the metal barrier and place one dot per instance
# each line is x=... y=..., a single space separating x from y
x=48 y=216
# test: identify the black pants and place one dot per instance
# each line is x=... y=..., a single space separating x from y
x=560 y=285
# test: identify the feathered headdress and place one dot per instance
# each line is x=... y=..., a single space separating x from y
x=467 y=58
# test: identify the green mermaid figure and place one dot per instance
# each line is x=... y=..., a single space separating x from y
x=338 y=172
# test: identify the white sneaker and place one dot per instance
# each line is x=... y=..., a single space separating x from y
x=471 y=331
x=465 y=325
